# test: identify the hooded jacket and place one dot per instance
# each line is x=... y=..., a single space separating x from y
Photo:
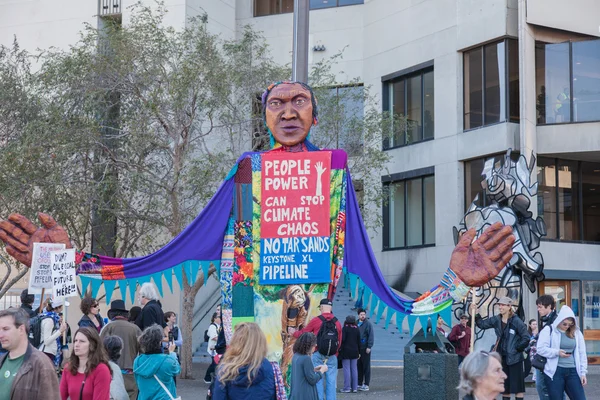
x=514 y=339
x=262 y=386
x=165 y=367
x=548 y=344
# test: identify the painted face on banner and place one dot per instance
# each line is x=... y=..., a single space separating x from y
x=289 y=113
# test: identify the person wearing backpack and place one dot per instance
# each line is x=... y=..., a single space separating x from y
x=211 y=337
x=51 y=331
x=329 y=339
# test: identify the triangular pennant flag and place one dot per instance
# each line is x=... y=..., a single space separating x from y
x=187 y=267
x=388 y=317
x=218 y=267
x=423 y=320
x=157 y=277
x=353 y=283
x=446 y=314
x=411 y=324
x=375 y=303
x=168 y=274
x=85 y=282
x=132 y=283
x=380 y=309
x=399 y=320
x=367 y=298
x=123 y=289
x=109 y=287
x=178 y=271
x=144 y=279
x=195 y=268
x=96 y=283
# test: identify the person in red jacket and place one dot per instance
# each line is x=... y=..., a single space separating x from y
x=318 y=358
x=460 y=336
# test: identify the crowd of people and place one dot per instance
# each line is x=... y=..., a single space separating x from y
x=134 y=354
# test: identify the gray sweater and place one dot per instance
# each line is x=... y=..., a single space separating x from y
x=304 y=378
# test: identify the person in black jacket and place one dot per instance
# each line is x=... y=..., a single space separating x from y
x=350 y=352
x=152 y=312
x=27 y=303
x=512 y=340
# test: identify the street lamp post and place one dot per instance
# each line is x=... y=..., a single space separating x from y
x=300 y=49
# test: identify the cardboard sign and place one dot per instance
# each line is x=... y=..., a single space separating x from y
x=295 y=228
x=40 y=275
x=63 y=273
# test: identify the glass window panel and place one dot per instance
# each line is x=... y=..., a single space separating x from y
x=513 y=81
x=316 y=4
x=540 y=82
x=591 y=305
x=555 y=92
x=271 y=7
x=352 y=106
x=396 y=205
x=568 y=199
x=397 y=101
x=590 y=190
x=586 y=81
x=473 y=97
x=414 y=109
x=429 y=204
x=350 y=2
x=473 y=180
x=495 y=83
x=429 y=110
x=546 y=176
x=575 y=296
x=414 y=212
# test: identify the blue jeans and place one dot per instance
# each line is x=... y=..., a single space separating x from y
x=350 y=374
x=330 y=375
x=540 y=385
x=564 y=380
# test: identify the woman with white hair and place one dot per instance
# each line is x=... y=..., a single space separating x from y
x=481 y=376
x=152 y=312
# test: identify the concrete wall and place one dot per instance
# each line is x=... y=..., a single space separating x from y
x=581 y=16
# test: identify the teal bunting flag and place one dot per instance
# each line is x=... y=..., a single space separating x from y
x=205 y=267
x=96 y=283
x=187 y=267
x=380 y=309
x=178 y=270
x=423 y=320
x=123 y=289
x=132 y=284
x=388 y=317
x=168 y=274
x=367 y=298
x=411 y=323
x=144 y=279
x=373 y=310
x=399 y=320
x=157 y=277
x=446 y=315
x=85 y=282
x=353 y=283
x=109 y=287
x=218 y=266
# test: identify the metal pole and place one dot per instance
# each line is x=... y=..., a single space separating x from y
x=300 y=49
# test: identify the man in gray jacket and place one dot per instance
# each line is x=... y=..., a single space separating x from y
x=367 y=338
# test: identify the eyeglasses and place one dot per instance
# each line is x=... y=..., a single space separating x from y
x=96 y=305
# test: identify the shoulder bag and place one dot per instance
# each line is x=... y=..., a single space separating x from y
x=166 y=390
x=538 y=361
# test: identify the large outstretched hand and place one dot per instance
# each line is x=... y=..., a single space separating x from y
x=476 y=263
x=19 y=234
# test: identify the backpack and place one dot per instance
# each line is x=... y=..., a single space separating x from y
x=35 y=330
x=327 y=338
x=206 y=338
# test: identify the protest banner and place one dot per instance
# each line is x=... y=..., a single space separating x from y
x=295 y=228
x=40 y=276
x=63 y=273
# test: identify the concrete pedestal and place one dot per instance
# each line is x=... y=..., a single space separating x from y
x=431 y=376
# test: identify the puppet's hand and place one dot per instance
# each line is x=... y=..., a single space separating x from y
x=479 y=262
x=19 y=234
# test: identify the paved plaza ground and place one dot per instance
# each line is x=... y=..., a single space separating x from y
x=386 y=383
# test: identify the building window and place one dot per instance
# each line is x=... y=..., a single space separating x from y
x=473 y=178
x=341 y=110
x=409 y=215
x=569 y=199
x=412 y=97
x=272 y=7
x=491 y=84
x=567 y=82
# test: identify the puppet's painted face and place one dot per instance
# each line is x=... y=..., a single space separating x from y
x=289 y=113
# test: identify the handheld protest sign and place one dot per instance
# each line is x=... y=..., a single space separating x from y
x=40 y=275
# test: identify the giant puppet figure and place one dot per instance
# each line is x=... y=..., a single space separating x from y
x=282 y=228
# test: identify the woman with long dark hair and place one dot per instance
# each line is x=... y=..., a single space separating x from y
x=304 y=374
x=87 y=376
